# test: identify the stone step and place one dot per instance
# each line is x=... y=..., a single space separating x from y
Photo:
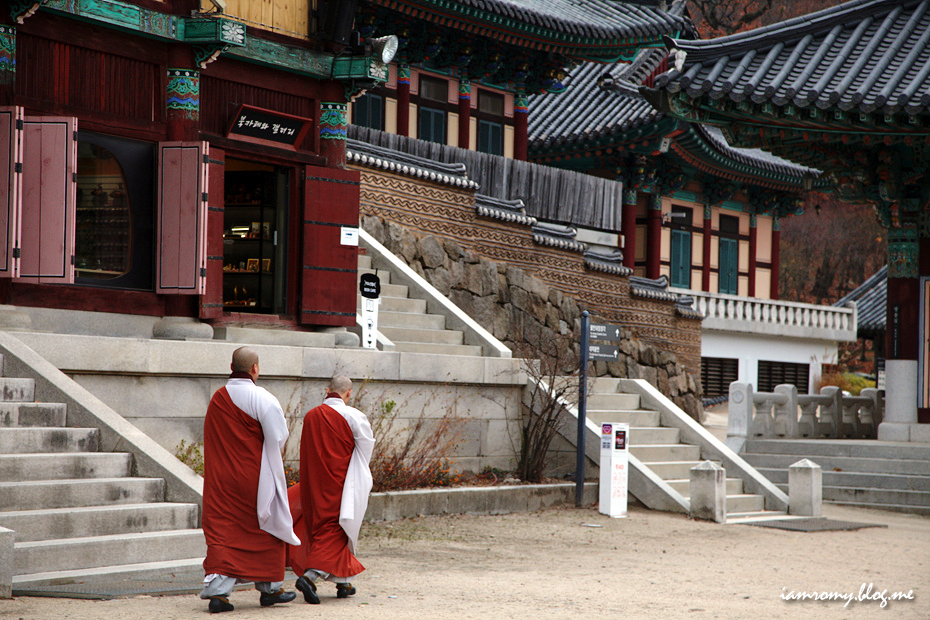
x=64 y=493
x=23 y=440
x=663 y=454
x=96 y=551
x=871 y=496
x=672 y=470
x=434 y=336
x=58 y=523
x=400 y=304
x=861 y=448
x=384 y=276
x=17 y=390
x=639 y=418
x=917 y=510
x=364 y=261
x=841 y=463
x=67 y=465
x=739 y=518
x=734 y=486
x=395 y=290
x=438 y=349
x=411 y=319
x=644 y=436
x=143 y=571
x=743 y=503
x=33 y=414
x=855 y=479
x=612 y=402
x=605 y=385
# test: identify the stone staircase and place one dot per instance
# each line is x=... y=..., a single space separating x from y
x=75 y=511
x=662 y=450
x=866 y=473
x=404 y=320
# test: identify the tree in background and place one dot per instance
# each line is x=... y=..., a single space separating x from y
x=717 y=18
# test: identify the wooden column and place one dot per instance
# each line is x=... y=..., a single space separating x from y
x=776 y=261
x=654 y=238
x=334 y=128
x=7 y=64
x=705 y=248
x=628 y=228
x=403 y=99
x=520 y=118
x=753 y=247
x=464 y=113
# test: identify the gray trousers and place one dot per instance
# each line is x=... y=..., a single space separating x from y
x=221 y=585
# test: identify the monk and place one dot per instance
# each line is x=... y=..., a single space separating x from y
x=246 y=519
x=335 y=479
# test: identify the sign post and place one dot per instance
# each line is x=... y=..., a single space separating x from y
x=370 y=288
x=597 y=352
x=614 y=469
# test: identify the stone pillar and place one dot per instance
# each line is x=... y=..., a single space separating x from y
x=7 y=64
x=776 y=256
x=403 y=99
x=709 y=492
x=753 y=250
x=654 y=237
x=805 y=489
x=628 y=227
x=740 y=409
x=7 y=538
x=334 y=129
x=521 y=110
x=705 y=248
x=902 y=324
x=464 y=114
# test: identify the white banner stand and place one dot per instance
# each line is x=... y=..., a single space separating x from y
x=614 y=469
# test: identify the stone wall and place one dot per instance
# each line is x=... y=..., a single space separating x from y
x=518 y=308
x=428 y=207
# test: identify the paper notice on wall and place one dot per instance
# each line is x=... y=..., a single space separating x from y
x=349 y=236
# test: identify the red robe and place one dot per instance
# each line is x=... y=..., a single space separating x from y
x=326 y=445
x=236 y=546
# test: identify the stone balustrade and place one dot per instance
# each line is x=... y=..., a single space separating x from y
x=774 y=317
x=785 y=413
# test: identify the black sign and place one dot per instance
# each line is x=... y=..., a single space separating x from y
x=895 y=331
x=603 y=331
x=369 y=286
x=603 y=352
x=263 y=125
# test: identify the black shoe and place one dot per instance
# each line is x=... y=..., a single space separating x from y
x=309 y=589
x=344 y=590
x=280 y=596
x=218 y=604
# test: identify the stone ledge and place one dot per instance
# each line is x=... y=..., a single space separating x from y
x=497 y=500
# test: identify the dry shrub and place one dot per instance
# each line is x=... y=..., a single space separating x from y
x=417 y=455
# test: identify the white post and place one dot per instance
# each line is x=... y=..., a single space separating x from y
x=7 y=537
x=708 y=492
x=805 y=489
x=739 y=415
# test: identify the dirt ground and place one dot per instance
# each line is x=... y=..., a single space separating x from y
x=575 y=563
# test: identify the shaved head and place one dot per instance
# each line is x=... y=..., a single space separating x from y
x=340 y=384
x=243 y=359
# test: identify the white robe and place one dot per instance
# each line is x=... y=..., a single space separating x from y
x=274 y=513
x=358 y=477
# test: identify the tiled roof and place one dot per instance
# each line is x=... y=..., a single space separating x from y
x=565 y=24
x=612 y=107
x=870 y=298
x=870 y=55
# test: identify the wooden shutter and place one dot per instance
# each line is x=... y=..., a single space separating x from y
x=328 y=281
x=49 y=191
x=211 y=302
x=11 y=166
x=182 y=218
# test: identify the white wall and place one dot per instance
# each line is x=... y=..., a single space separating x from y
x=749 y=349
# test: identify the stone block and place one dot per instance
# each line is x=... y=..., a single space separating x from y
x=7 y=538
x=431 y=252
x=708 y=492
x=805 y=489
